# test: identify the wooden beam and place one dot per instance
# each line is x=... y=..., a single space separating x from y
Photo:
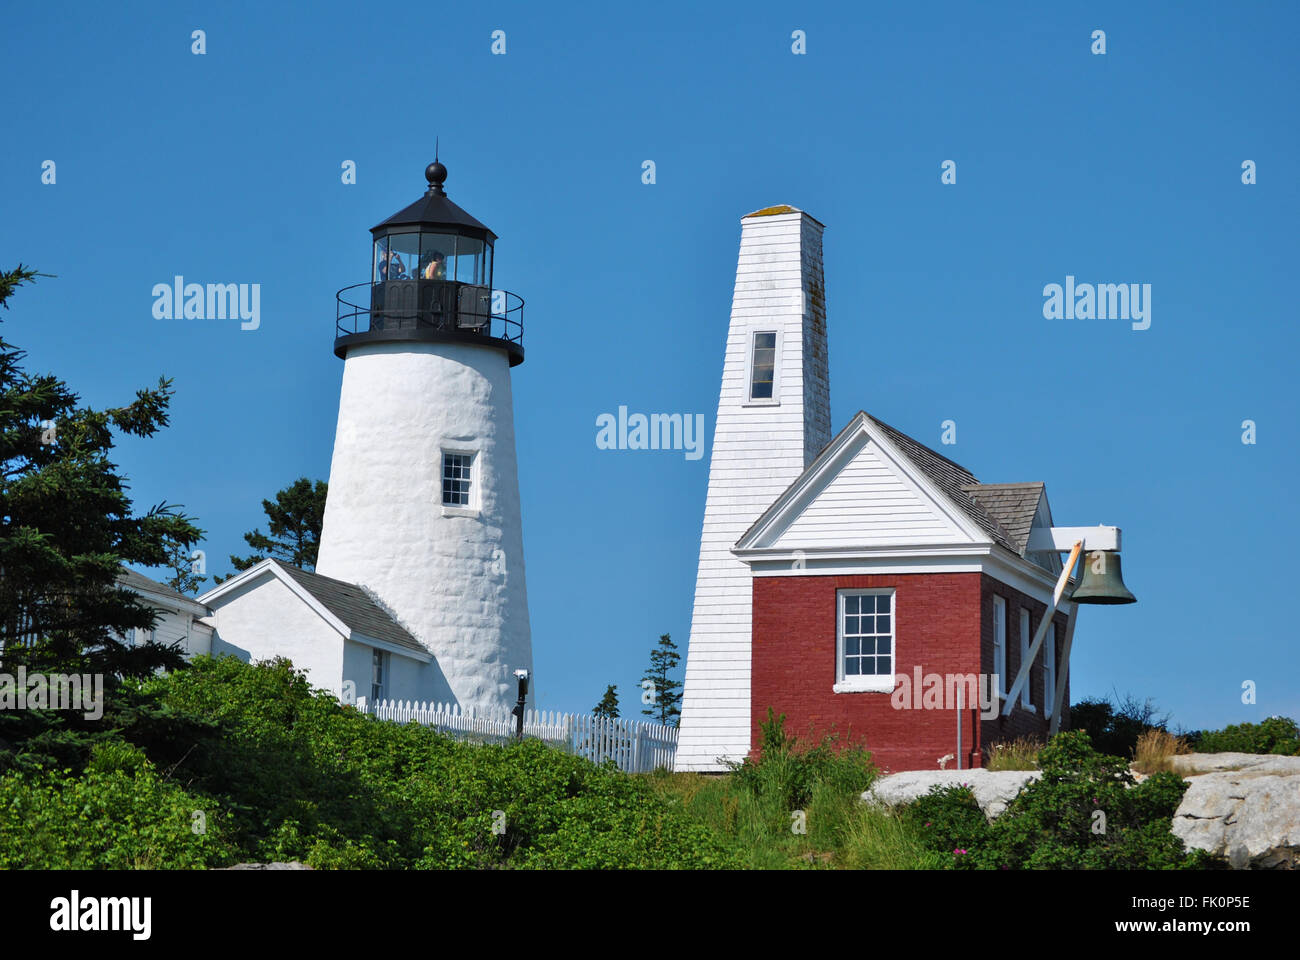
x=1059 y=539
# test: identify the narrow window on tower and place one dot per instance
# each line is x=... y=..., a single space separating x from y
x=457 y=479
x=762 y=366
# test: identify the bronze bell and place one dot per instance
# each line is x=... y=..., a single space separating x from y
x=1101 y=580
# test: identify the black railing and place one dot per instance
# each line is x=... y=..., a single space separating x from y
x=463 y=308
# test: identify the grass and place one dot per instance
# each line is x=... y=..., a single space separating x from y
x=797 y=807
x=1156 y=749
x=1019 y=754
x=842 y=832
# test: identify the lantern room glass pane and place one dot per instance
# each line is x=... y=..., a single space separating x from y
x=487 y=269
x=469 y=260
x=436 y=251
x=404 y=249
x=379 y=272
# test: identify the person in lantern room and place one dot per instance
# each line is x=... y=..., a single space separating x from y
x=391 y=266
x=436 y=266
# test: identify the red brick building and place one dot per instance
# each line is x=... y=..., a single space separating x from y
x=885 y=579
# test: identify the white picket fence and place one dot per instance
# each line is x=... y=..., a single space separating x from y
x=635 y=746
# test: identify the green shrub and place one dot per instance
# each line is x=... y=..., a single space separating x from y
x=1085 y=812
x=949 y=820
x=118 y=815
x=1114 y=727
x=786 y=770
x=286 y=773
x=1278 y=735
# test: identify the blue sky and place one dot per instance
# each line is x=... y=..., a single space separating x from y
x=1124 y=167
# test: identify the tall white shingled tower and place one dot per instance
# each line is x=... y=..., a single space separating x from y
x=423 y=509
x=773 y=419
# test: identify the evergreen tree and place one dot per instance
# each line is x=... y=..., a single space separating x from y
x=295 y=519
x=185 y=578
x=666 y=696
x=67 y=526
x=608 y=706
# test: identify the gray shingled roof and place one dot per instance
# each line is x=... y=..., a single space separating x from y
x=954 y=480
x=138 y=581
x=1003 y=510
x=1012 y=504
x=354 y=607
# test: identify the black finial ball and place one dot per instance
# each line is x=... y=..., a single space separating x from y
x=435 y=173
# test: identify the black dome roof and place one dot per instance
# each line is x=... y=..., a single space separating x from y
x=435 y=210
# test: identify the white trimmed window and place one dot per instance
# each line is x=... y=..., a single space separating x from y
x=378 y=673
x=457 y=478
x=762 y=367
x=865 y=641
x=1049 y=670
x=141 y=636
x=1024 y=657
x=1000 y=643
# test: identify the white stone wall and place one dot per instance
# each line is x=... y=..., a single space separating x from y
x=455 y=582
x=758 y=450
x=263 y=619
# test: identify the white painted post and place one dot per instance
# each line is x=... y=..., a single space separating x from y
x=1062 y=672
x=959 y=693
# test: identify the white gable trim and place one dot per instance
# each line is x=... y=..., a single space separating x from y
x=837 y=455
x=269 y=566
x=1000 y=564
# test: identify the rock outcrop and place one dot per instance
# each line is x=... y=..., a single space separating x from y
x=993 y=789
x=274 y=865
x=1242 y=807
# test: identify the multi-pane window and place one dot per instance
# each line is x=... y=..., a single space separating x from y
x=866 y=635
x=762 y=366
x=456 y=478
x=377 y=676
x=1049 y=670
x=1024 y=655
x=1000 y=643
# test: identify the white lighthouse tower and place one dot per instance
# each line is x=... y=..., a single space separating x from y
x=423 y=508
x=773 y=419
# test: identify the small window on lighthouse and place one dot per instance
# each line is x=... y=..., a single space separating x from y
x=456 y=479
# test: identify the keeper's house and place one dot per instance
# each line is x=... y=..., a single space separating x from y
x=837 y=574
x=885 y=578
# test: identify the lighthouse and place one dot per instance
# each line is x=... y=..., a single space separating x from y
x=423 y=509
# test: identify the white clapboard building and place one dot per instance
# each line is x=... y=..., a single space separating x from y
x=763 y=440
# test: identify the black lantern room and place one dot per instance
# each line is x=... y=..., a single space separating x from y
x=431 y=281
